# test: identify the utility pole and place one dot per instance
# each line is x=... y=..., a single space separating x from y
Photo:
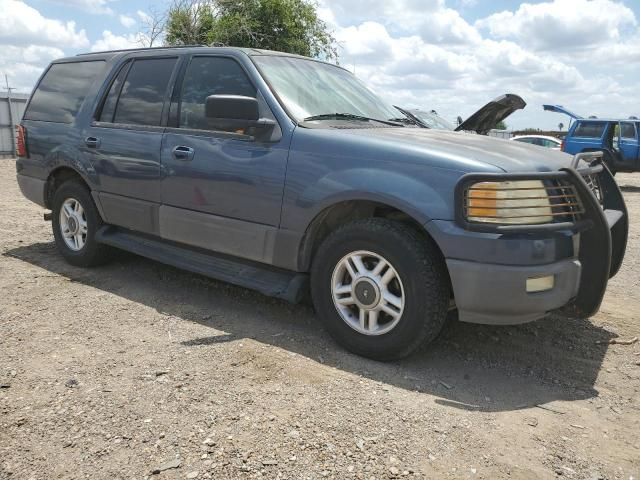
x=11 y=124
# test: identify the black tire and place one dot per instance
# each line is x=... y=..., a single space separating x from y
x=421 y=269
x=91 y=253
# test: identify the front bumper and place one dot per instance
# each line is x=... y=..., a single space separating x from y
x=497 y=295
x=489 y=282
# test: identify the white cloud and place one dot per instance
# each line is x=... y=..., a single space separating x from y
x=562 y=24
x=24 y=25
x=127 y=21
x=110 y=41
x=91 y=6
x=430 y=19
x=23 y=65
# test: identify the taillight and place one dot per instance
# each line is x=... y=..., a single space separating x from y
x=21 y=141
x=562 y=146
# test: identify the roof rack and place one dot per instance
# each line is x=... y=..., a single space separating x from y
x=143 y=49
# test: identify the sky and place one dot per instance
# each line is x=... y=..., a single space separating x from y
x=449 y=55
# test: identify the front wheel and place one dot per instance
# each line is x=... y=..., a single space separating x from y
x=380 y=288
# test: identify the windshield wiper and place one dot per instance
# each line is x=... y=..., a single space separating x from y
x=412 y=117
x=348 y=116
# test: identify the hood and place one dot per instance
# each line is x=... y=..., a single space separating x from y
x=493 y=112
x=451 y=150
x=561 y=109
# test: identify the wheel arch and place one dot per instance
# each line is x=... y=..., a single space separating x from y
x=57 y=177
x=345 y=210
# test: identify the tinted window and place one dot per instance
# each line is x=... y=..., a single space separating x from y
x=62 y=91
x=109 y=107
x=210 y=76
x=627 y=130
x=143 y=92
x=524 y=140
x=590 y=129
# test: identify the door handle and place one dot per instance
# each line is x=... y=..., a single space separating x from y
x=92 y=142
x=183 y=153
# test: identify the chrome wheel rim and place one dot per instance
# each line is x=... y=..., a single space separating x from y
x=73 y=224
x=367 y=292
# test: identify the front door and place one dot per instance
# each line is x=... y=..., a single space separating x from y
x=125 y=140
x=628 y=145
x=222 y=190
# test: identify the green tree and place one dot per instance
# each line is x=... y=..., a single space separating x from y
x=289 y=26
x=501 y=125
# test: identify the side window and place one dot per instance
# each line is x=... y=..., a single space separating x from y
x=109 y=107
x=210 y=76
x=627 y=130
x=62 y=91
x=590 y=129
x=143 y=92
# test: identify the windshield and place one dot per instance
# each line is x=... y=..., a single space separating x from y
x=308 y=88
x=432 y=120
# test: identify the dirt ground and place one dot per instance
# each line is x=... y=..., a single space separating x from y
x=136 y=367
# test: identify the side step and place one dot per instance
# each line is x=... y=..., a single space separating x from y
x=271 y=281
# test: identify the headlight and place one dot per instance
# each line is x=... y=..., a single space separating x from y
x=515 y=202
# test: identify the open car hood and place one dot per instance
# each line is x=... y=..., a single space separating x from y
x=561 y=109
x=493 y=112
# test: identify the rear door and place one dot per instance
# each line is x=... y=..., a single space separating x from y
x=125 y=138
x=628 y=144
x=222 y=190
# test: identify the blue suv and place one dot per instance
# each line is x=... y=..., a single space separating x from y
x=286 y=175
x=617 y=139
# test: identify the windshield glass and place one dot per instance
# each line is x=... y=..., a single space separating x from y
x=433 y=120
x=308 y=88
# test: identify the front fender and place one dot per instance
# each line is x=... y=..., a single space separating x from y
x=404 y=192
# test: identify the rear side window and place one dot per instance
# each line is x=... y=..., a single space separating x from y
x=143 y=92
x=627 y=130
x=62 y=91
x=109 y=107
x=210 y=76
x=590 y=129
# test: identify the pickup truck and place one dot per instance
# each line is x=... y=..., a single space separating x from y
x=287 y=175
x=616 y=138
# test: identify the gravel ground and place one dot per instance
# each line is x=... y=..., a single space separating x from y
x=138 y=370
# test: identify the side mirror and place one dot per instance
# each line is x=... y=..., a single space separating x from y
x=232 y=107
x=237 y=112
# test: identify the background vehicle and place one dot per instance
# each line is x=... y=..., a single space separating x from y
x=617 y=138
x=276 y=172
x=540 y=140
x=480 y=122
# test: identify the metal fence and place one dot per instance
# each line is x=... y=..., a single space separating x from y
x=11 y=110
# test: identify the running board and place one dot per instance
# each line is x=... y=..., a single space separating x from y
x=270 y=281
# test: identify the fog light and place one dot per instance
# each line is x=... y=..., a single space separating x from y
x=540 y=284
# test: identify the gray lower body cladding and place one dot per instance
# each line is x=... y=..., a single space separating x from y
x=497 y=294
x=32 y=188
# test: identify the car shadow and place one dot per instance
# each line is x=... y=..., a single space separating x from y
x=472 y=367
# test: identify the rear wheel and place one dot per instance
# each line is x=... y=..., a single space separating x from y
x=380 y=288
x=75 y=221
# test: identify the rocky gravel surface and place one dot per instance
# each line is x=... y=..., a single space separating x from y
x=137 y=370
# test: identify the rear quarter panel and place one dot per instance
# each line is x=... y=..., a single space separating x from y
x=574 y=144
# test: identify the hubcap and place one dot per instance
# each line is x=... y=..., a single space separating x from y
x=73 y=224
x=367 y=292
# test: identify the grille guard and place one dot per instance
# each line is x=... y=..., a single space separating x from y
x=602 y=245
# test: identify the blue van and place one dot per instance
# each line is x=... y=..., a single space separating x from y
x=617 y=138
